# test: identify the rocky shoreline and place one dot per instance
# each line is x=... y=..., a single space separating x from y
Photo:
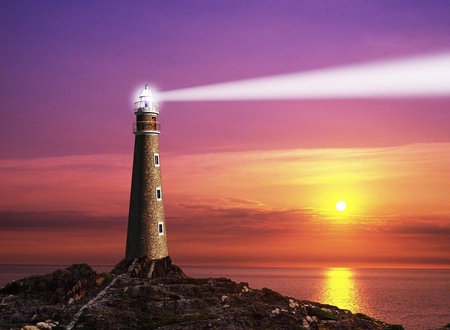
x=145 y=294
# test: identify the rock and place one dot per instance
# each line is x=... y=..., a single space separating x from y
x=305 y=324
x=147 y=268
x=82 y=293
x=29 y=327
x=99 y=281
x=327 y=310
x=52 y=323
x=293 y=303
x=160 y=296
x=43 y=326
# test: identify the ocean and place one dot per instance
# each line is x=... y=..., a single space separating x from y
x=418 y=299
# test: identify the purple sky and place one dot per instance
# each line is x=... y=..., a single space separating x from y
x=70 y=71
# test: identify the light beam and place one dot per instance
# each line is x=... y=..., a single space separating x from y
x=425 y=76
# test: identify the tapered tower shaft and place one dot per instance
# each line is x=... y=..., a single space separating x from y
x=146 y=235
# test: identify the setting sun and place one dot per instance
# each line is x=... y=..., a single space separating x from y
x=341 y=206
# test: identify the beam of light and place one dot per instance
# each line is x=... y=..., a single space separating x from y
x=425 y=76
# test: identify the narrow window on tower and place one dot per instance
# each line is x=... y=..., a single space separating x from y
x=160 y=228
x=156 y=158
x=158 y=194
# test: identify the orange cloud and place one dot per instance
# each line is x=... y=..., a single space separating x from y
x=235 y=208
x=97 y=184
x=411 y=179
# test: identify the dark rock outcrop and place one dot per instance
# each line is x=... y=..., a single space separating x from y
x=146 y=294
x=146 y=268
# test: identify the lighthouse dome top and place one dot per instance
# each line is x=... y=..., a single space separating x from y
x=146 y=94
x=146 y=102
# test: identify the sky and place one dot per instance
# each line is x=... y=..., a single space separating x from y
x=246 y=183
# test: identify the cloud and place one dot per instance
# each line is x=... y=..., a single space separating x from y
x=64 y=221
x=61 y=238
x=423 y=227
x=410 y=179
x=260 y=208
x=227 y=231
x=98 y=184
x=225 y=216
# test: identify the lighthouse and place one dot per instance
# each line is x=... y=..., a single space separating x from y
x=146 y=235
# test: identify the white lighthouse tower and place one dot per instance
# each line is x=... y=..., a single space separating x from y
x=146 y=235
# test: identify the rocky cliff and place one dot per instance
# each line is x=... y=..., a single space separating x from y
x=145 y=294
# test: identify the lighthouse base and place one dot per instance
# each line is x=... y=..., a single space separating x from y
x=145 y=267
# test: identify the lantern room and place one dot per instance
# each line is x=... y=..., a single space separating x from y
x=146 y=111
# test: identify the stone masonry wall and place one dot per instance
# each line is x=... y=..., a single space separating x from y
x=145 y=212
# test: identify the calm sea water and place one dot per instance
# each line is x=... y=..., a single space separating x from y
x=416 y=298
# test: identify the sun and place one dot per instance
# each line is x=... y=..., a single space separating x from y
x=341 y=206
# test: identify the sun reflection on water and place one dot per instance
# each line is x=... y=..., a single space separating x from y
x=339 y=289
